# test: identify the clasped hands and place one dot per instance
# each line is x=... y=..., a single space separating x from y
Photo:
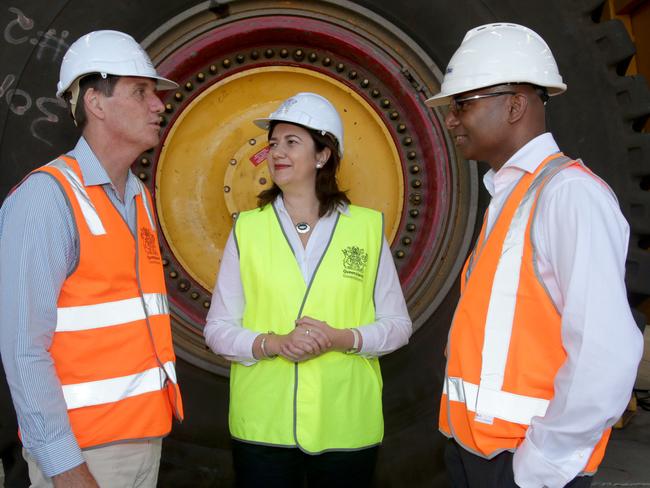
x=309 y=339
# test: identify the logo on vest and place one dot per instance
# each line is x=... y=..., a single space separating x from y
x=354 y=262
x=149 y=244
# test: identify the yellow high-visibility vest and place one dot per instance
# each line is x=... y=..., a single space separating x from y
x=329 y=402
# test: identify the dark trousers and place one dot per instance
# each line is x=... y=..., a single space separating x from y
x=271 y=467
x=466 y=470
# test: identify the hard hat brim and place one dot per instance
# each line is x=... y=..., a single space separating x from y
x=442 y=99
x=162 y=84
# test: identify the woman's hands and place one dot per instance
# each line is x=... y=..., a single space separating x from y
x=309 y=339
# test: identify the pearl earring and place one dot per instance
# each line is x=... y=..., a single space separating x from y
x=319 y=165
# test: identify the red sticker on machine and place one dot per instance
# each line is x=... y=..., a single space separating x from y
x=259 y=157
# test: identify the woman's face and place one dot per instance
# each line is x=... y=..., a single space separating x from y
x=293 y=157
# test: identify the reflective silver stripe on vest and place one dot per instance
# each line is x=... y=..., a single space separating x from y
x=85 y=204
x=503 y=405
x=503 y=300
x=145 y=202
x=115 y=389
x=87 y=317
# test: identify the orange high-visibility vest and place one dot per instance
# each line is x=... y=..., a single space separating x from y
x=505 y=345
x=112 y=346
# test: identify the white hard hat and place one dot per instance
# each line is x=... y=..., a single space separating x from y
x=309 y=110
x=107 y=52
x=495 y=54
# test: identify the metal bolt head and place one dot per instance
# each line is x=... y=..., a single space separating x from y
x=385 y=103
x=200 y=76
x=416 y=198
x=416 y=183
x=144 y=162
x=240 y=58
x=394 y=115
x=269 y=53
x=213 y=68
x=411 y=227
x=183 y=285
x=411 y=155
x=407 y=241
x=299 y=55
x=313 y=57
x=252 y=142
x=284 y=53
x=375 y=93
x=206 y=304
x=234 y=215
x=414 y=212
x=365 y=83
x=408 y=140
x=165 y=262
x=255 y=54
x=233 y=162
x=169 y=107
x=415 y=169
x=194 y=295
x=226 y=63
x=178 y=96
x=173 y=274
x=353 y=75
x=400 y=254
x=142 y=176
x=340 y=67
x=226 y=189
x=262 y=181
x=327 y=61
x=189 y=86
x=401 y=128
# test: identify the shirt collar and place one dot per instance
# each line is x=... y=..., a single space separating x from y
x=93 y=172
x=526 y=159
x=342 y=207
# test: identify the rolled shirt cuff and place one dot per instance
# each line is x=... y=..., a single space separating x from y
x=58 y=456
x=533 y=470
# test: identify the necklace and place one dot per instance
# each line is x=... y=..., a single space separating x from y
x=303 y=227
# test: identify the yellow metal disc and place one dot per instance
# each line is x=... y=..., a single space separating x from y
x=205 y=172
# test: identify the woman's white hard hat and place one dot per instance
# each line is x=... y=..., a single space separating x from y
x=308 y=110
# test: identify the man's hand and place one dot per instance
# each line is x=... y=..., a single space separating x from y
x=78 y=477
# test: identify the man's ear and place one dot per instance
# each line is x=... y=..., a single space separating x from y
x=93 y=103
x=517 y=106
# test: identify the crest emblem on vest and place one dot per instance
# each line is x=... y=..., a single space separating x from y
x=354 y=262
x=149 y=244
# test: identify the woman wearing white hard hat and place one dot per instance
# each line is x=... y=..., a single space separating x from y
x=306 y=300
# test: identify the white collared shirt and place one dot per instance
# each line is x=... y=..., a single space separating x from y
x=580 y=238
x=223 y=330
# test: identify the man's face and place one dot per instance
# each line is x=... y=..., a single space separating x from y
x=133 y=113
x=478 y=122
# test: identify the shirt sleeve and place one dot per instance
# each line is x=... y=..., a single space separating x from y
x=223 y=330
x=38 y=249
x=392 y=326
x=583 y=238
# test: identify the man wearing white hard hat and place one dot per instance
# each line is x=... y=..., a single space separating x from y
x=84 y=321
x=543 y=350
